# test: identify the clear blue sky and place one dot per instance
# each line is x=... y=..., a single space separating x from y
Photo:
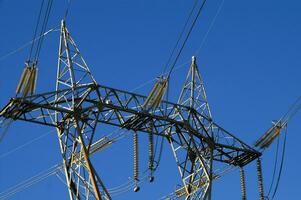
x=250 y=63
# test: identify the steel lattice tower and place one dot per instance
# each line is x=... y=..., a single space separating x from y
x=76 y=131
x=194 y=168
x=78 y=104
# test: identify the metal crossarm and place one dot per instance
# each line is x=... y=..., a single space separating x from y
x=116 y=106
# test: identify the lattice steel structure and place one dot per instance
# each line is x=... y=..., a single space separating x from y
x=78 y=104
x=195 y=169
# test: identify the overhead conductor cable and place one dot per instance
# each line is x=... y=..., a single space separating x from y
x=157 y=93
x=28 y=79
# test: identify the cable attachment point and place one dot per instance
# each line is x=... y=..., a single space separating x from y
x=28 y=79
x=157 y=93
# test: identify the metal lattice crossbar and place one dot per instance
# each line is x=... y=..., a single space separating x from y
x=116 y=107
x=78 y=104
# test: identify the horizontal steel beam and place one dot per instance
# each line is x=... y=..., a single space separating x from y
x=125 y=109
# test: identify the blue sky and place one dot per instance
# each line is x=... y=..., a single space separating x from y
x=250 y=63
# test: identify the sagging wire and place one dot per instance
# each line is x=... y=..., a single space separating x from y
x=210 y=27
x=114 y=191
x=67 y=9
x=164 y=73
x=25 y=144
x=180 y=36
x=275 y=167
x=42 y=34
x=186 y=38
x=55 y=169
x=29 y=182
x=167 y=74
x=43 y=29
x=161 y=86
x=36 y=30
x=44 y=174
x=131 y=184
x=41 y=26
x=3 y=57
x=281 y=165
x=269 y=136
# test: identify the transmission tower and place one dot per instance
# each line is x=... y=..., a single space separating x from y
x=76 y=130
x=78 y=104
x=195 y=170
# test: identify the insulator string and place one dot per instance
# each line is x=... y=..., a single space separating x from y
x=243 y=184
x=136 y=168
x=260 y=179
x=151 y=154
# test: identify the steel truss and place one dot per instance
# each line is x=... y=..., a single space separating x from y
x=79 y=104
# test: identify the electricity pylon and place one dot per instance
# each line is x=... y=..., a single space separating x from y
x=195 y=169
x=76 y=130
x=78 y=104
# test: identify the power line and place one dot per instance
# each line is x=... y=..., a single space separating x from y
x=210 y=26
x=180 y=36
x=3 y=57
x=29 y=182
x=67 y=9
x=44 y=26
x=281 y=165
x=25 y=144
x=36 y=29
x=275 y=167
x=186 y=38
x=40 y=27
